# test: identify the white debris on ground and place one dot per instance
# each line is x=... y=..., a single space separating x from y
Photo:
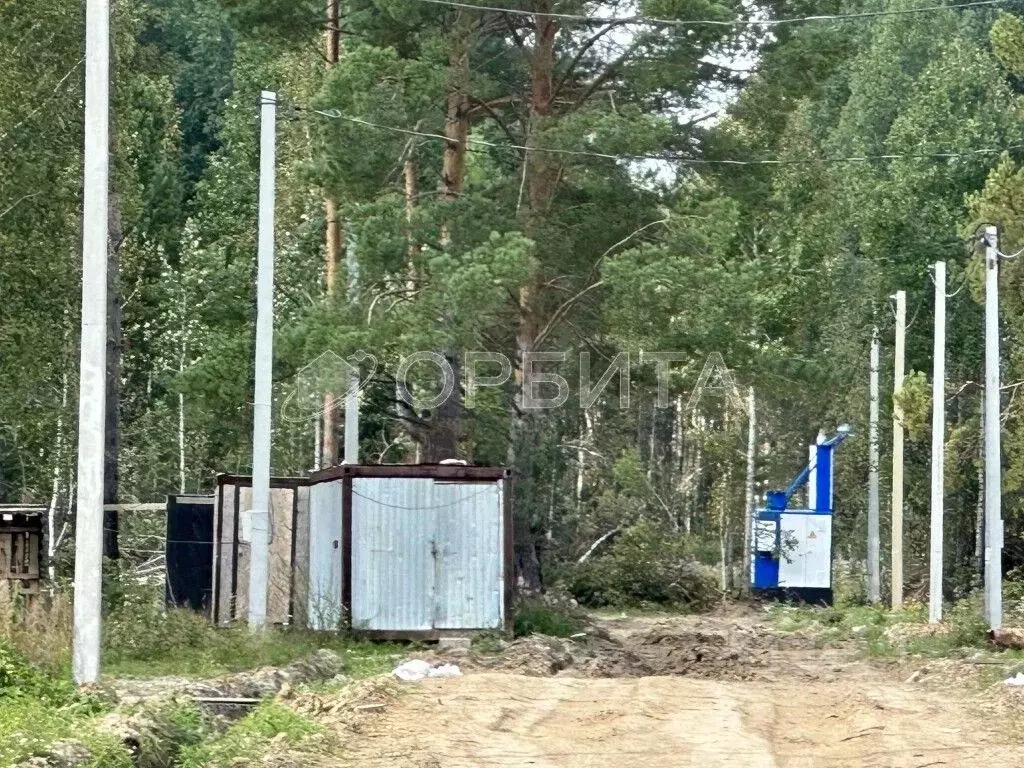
x=414 y=670
x=1016 y=681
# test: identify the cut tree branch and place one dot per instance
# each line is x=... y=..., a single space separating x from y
x=586 y=555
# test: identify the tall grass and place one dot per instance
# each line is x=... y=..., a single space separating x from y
x=38 y=626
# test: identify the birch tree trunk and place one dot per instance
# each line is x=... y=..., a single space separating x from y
x=58 y=462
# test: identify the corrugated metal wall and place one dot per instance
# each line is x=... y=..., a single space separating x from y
x=426 y=554
x=324 y=610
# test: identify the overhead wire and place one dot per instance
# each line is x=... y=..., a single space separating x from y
x=729 y=23
x=335 y=114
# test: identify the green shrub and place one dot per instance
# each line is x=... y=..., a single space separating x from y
x=250 y=738
x=538 y=617
x=19 y=677
x=644 y=566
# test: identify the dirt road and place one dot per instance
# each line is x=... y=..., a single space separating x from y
x=759 y=705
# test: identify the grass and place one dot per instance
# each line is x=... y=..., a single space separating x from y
x=28 y=727
x=205 y=651
x=251 y=738
x=39 y=706
x=884 y=632
x=537 y=617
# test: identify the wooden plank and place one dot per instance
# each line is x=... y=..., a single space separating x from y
x=346 y=548
x=5 y=555
x=218 y=536
x=509 y=552
x=32 y=542
x=227 y=700
x=280 y=571
x=432 y=471
x=245 y=481
x=225 y=600
x=244 y=559
x=300 y=564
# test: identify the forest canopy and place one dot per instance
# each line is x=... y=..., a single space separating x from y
x=543 y=178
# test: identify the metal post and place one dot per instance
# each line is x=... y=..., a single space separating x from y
x=259 y=567
x=993 y=455
x=751 y=468
x=874 y=576
x=897 y=451
x=352 y=392
x=938 y=444
x=93 y=372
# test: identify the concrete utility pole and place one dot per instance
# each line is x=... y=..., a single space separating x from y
x=993 y=455
x=751 y=469
x=874 y=575
x=897 y=451
x=352 y=392
x=259 y=542
x=938 y=444
x=93 y=370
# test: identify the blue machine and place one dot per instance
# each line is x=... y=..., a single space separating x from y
x=792 y=548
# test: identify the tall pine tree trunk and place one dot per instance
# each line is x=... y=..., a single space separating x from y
x=442 y=438
x=540 y=174
x=332 y=248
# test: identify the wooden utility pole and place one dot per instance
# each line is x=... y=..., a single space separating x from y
x=329 y=441
x=897 y=450
x=874 y=575
x=938 y=444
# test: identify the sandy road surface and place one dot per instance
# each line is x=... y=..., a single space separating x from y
x=803 y=708
x=493 y=719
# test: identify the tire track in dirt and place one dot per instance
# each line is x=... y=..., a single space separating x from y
x=737 y=697
x=502 y=720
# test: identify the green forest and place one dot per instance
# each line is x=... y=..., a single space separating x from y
x=558 y=181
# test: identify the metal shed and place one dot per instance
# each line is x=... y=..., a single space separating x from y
x=417 y=551
x=394 y=551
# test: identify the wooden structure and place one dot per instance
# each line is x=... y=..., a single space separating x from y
x=22 y=554
x=289 y=545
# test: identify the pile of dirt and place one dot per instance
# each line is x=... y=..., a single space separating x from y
x=349 y=708
x=660 y=650
x=258 y=684
x=668 y=650
x=899 y=634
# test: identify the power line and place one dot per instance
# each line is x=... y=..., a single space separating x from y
x=1000 y=254
x=949 y=155
x=731 y=23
